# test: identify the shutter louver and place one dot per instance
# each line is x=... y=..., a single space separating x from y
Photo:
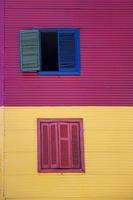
x=75 y=143
x=53 y=145
x=29 y=49
x=64 y=145
x=45 y=145
x=67 y=52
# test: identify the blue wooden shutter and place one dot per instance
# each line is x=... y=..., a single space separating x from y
x=29 y=50
x=68 y=51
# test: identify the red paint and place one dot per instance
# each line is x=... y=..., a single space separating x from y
x=64 y=145
x=71 y=4
x=54 y=146
x=44 y=145
x=75 y=145
x=64 y=161
x=106 y=40
x=1 y=49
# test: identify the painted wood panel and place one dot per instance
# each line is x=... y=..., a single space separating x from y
x=108 y=155
x=106 y=41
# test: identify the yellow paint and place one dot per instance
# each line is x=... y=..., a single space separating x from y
x=108 y=141
x=70 y=198
x=1 y=152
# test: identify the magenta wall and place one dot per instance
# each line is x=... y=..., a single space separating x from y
x=1 y=49
x=106 y=33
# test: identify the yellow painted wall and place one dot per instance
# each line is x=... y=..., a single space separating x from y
x=1 y=152
x=108 y=140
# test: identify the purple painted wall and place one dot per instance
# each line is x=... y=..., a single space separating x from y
x=1 y=49
x=106 y=33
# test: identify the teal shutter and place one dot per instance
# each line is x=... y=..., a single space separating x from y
x=29 y=50
x=68 y=52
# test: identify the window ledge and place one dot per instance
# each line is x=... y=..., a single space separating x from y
x=61 y=171
x=42 y=73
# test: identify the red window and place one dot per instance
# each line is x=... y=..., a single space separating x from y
x=60 y=145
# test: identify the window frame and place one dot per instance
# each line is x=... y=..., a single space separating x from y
x=39 y=146
x=76 y=32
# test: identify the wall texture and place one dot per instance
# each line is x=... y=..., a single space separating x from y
x=1 y=152
x=1 y=97
x=1 y=49
x=108 y=142
x=106 y=41
x=106 y=46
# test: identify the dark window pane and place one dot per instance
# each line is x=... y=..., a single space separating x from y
x=49 y=51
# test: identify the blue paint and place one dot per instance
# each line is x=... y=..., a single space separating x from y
x=29 y=68
x=74 y=69
x=58 y=73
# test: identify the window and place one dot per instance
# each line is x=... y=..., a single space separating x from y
x=50 y=51
x=60 y=145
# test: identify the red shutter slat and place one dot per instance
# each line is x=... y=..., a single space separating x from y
x=45 y=146
x=53 y=145
x=75 y=145
x=64 y=145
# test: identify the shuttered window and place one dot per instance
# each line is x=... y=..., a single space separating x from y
x=50 y=51
x=60 y=145
x=29 y=48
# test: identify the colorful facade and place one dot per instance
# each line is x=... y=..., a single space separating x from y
x=101 y=95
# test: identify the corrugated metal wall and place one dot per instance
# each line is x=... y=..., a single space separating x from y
x=106 y=46
x=1 y=152
x=1 y=49
x=106 y=32
x=108 y=144
x=1 y=95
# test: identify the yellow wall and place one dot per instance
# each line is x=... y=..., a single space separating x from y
x=108 y=140
x=1 y=151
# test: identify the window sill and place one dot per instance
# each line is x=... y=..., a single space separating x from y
x=42 y=73
x=61 y=171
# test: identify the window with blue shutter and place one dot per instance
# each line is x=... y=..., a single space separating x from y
x=50 y=51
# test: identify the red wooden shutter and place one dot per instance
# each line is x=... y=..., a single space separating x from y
x=53 y=145
x=64 y=145
x=60 y=146
x=45 y=145
x=75 y=145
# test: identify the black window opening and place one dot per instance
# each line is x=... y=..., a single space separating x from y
x=50 y=51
